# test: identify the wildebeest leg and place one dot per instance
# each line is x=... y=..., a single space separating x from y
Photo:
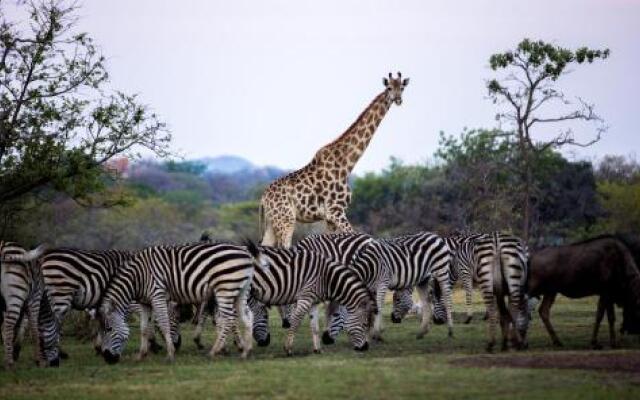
x=599 y=315
x=611 y=317
x=545 y=307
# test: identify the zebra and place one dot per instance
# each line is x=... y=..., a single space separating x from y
x=185 y=274
x=21 y=288
x=411 y=261
x=348 y=248
x=498 y=262
x=305 y=278
x=414 y=260
x=464 y=265
x=504 y=273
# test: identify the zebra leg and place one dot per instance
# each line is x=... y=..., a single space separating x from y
x=467 y=282
x=174 y=324
x=11 y=331
x=161 y=313
x=333 y=323
x=201 y=320
x=303 y=305
x=33 y=312
x=376 y=330
x=243 y=312
x=314 y=324
x=425 y=324
x=445 y=287
x=145 y=326
x=285 y=314
x=225 y=321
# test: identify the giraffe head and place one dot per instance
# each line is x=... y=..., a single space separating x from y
x=395 y=87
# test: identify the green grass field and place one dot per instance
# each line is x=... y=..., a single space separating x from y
x=401 y=367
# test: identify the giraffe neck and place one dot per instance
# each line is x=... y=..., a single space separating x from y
x=347 y=149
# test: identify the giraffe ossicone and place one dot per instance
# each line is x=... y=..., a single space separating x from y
x=319 y=190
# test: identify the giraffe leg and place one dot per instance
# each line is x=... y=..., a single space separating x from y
x=269 y=237
x=337 y=220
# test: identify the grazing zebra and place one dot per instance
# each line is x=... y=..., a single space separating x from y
x=21 y=288
x=411 y=261
x=305 y=278
x=464 y=265
x=185 y=274
x=350 y=250
x=414 y=260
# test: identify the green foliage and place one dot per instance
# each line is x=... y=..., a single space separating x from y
x=59 y=122
x=621 y=202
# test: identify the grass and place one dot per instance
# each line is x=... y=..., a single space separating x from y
x=401 y=367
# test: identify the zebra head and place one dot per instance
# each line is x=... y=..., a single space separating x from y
x=114 y=330
x=49 y=336
x=359 y=320
x=402 y=305
x=260 y=323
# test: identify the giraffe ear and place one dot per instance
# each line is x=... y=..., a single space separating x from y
x=385 y=82
x=405 y=82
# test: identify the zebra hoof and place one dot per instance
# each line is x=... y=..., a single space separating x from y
x=438 y=321
x=98 y=350
x=419 y=335
x=289 y=352
x=264 y=342
x=364 y=347
x=317 y=351
x=468 y=320
x=110 y=358
x=63 y=355
x=286 y=324
x=198 y=343
x=178 y=343
x=16 y=351
x=55 y=363
x=154 y=346
x=395 y=319
x=327 y=339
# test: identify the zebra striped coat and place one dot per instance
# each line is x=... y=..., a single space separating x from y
x=498 y=262
x=349 y=249
x=306 y=278
x=414 y=260
x=185 y=274
x=21 y=288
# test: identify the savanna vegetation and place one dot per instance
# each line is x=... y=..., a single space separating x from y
x=76 y=169
x=401 y=367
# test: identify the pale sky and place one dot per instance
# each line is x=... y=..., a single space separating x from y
x=273 y=81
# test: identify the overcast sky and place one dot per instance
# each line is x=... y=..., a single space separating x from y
x=273 y=81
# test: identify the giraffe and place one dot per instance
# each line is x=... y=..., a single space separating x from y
x=319 y=190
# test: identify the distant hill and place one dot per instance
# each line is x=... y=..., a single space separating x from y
x=221 y=179
x=226 y=164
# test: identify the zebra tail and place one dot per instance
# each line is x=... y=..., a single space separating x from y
x=28 y=256
x=259 y=259
x=498 y=276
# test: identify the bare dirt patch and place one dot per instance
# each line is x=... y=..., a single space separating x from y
x=627 y=362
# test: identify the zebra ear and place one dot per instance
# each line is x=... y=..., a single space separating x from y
x=256 y=253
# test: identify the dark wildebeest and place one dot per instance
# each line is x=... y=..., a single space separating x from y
x=601 y=266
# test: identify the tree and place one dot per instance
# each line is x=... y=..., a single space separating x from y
x=527 y=90
x=59 y=122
